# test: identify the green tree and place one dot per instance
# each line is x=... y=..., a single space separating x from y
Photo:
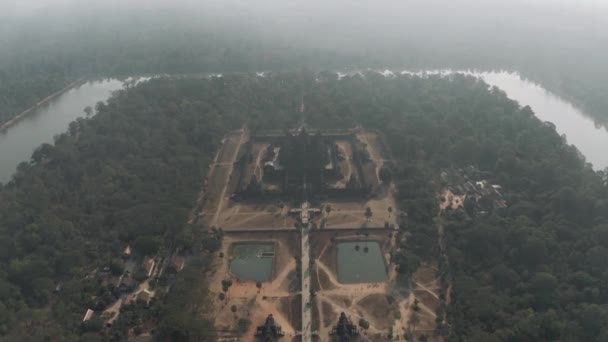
x=368 y=213
x=148 y=244
x=88 y=110
x=328 y=209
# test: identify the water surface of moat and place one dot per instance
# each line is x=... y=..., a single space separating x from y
x=40 y=126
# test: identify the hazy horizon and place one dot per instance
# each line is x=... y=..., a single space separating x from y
x=33 y=7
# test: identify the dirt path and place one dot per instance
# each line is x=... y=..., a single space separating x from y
x=357 y=293
x=428 y=289
x=349 y=289
x=427 y=309
x=278 y=317
x=194 y=214
x=399 y=328
x=115 y=308
x=248 y=217
x=320 y=256
x=379 y=162
x=280 y=278
x=354 y=300
x=431 y=292
x=227 y=182
x=270 y=309
x=350 y=311
x=328 y=272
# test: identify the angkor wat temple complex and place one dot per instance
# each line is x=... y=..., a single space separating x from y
x=301 y=165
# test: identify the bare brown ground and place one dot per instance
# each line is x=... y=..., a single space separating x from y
x=235 y=176
x=276 y=297
x=374 y=148
x=378 y=307
x=351 y=214
x=253 y=168
x=215 y=185
x=323 y=282
x=292 y=307
x=268 y=215
x=315 y=319
x=346 y=166
x=426 y=293
x=451 y=200
x=329 y=315
x=281 y=296
x=252 y=216
x=218 y=177
x=362 y=300
x=231 y=143
x=233 y=215
x=370 y=139
x=258 y=153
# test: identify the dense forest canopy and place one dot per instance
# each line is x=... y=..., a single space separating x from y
x=561 y=46
x=131 y=173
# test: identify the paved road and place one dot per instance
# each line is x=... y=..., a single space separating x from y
x=306 y=308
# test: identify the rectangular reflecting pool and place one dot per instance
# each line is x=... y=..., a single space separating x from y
x=360 y=262
x=252 y=261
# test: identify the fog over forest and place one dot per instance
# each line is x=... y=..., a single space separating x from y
x=346 y=26
x=560 y=44
x=484 y=211
x=348 y=17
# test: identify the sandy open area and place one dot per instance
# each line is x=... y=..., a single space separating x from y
x=377 y=303
x=388 y=306
x=279 y=296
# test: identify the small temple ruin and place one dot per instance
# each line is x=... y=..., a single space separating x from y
x=269 y=332
x=345 y=330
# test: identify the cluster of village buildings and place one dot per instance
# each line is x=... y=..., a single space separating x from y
x=131 y=289
x=467 y=188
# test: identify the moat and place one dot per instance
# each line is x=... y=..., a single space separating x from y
x=19 y=141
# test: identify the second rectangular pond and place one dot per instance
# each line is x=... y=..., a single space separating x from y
x=360 y=262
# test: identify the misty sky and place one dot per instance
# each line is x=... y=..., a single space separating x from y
x=25 y=7
x=320 y=15
x=329 y=24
